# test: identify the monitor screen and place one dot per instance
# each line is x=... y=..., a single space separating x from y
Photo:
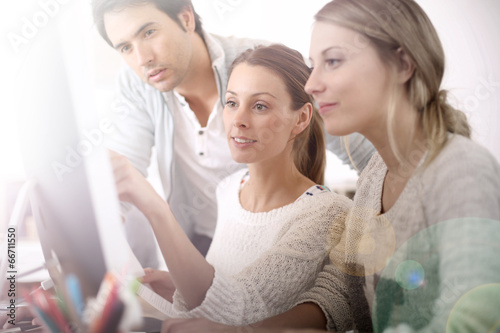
x=74 y=201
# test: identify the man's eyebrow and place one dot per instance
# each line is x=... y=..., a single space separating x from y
x=141 y=29
x=256 y=94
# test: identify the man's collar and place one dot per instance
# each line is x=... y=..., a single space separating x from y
x=218 y=58
x=217 y=55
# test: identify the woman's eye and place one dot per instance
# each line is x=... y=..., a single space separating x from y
x=149 y=32
x=260 y=107
x=332 y=62
x=230 y=104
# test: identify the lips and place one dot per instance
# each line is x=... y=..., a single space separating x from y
x=326 y=107
x=243 y=140
x=156 y=74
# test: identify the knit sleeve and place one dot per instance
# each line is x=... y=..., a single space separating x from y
x=272 y=283
x=340 y=295
x=330 y=293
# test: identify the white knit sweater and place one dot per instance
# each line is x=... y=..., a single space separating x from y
x=445 y=225
x=264 y=261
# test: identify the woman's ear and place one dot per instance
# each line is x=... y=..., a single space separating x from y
x=406 y=66
x=305 y=115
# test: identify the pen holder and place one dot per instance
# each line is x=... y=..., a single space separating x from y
x=114 y=309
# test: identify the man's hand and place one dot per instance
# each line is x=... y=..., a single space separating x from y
x=161 y=283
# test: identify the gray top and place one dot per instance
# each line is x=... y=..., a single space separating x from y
x=428 y=262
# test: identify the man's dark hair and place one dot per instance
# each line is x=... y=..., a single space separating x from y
x=170 y=7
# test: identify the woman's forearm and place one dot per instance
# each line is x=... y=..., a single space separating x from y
x=306 y=315
x=191 y=274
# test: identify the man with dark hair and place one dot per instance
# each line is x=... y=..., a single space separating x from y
x=171 y=97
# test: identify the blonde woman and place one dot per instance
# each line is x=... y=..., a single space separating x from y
x=419 y=251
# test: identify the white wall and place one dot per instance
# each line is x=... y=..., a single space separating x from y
x=469 y=31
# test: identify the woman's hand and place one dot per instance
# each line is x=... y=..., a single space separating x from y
x=133 y=187
x=161 y=283
x=23 y=314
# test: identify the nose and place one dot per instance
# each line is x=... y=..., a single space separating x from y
x=144 y=55
x=240 y=118
x=314 y=84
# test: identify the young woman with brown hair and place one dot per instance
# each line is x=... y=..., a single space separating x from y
x=273 y=218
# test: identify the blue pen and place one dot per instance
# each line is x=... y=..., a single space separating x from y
x=75 y=294
x=46 y=319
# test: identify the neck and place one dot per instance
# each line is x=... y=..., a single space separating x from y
x=409 y=142
x=199 y=87
x=272 y=185
x=199 y=83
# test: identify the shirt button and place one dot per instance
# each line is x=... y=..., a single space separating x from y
x=201 y=154
x=201 y=132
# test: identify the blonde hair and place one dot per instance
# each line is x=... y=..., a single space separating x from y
x=390 y=25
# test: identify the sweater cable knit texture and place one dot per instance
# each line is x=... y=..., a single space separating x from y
x=263 y=261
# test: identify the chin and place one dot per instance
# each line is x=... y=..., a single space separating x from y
x=163 y=87
x=243 y=158
x=337 y=131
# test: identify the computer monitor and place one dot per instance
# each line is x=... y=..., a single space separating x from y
x=74 y=202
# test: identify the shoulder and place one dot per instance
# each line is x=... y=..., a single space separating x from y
x=131 y=86
x=325 y=206
x=133 y=93
x=463 y=178
x=467 y=149
x=231 y=183
x=312 y=220
x=371 y=178
x=128 y=80
x=131 y=89
x=462 y=158
x=336 y=201
x=234 y=46
x=375 y=163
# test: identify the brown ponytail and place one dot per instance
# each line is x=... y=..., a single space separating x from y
x=309 y=146
x=310 y=150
